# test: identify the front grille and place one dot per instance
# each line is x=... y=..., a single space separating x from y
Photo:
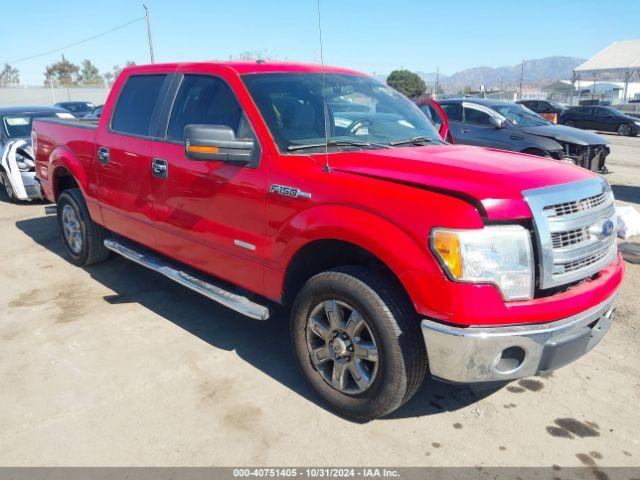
x=584 y=262
x=567 y=208
x=573 y=230
x=568 y=238
x=591 y=157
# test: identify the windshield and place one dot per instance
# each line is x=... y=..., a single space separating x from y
x=361 y=112
x=18 y=126
x=520 y=116
x=80 y=107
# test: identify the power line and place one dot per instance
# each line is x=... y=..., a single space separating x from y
x=24 y=59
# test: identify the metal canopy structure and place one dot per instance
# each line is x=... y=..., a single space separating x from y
x=622 y=57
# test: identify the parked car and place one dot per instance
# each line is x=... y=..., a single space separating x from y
x=438 y=118
x=17 y=167
x=95 y=113
x=397 y=252
x=510 y=126
x=603 y=118
x=548 y=109
x=79 y=109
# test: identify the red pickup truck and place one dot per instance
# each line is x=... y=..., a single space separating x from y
x=260 y=183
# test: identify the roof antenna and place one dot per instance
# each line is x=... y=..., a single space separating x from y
x=326 y=167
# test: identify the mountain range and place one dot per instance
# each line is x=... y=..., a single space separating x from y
x=537 y=73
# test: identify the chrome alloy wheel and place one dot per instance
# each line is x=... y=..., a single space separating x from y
x=342 y=347
x=72 y=229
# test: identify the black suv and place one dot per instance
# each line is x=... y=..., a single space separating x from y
x=543 y=106
x=597 y=117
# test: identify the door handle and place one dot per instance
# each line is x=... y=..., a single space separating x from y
x=103 y=155
x=159 y=168
x=464 y=130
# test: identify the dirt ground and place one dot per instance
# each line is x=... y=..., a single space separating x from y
x=115 y=365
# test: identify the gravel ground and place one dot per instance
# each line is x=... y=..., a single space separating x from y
x=115 y=365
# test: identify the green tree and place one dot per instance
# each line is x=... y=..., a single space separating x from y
x=9 y=75
x=89 y=74
x=408 y=83
x=62 y=73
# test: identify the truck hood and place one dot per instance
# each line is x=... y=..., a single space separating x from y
x=492 y=180
x=565 y=134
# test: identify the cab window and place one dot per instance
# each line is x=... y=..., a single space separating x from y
x=471 y=115
x=136 y=103
x=453 y=111
x=206 y=100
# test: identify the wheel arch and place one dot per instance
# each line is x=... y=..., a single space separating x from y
x=330 y=236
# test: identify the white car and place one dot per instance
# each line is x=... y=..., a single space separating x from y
x=17 y=168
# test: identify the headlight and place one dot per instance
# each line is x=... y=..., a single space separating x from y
x=501 y=255
x=24 y=164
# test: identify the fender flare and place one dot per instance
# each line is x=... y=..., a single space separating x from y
x=63 y=158
x=409 y=259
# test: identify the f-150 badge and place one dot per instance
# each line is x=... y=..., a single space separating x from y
x=288 y=191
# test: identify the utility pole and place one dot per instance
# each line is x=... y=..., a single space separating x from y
x=501 y=86
x=148 y=19
x=437 y=81
x=521 y=77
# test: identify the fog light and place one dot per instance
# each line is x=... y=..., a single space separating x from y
x=510 y=359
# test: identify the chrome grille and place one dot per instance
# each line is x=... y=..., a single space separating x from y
x=569 y=208
x=571 y=237
x=572 y=226
x=584 y=262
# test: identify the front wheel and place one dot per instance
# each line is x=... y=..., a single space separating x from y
x=8 y=188
x=82 y=237
x=624 y=130
x=358 y=343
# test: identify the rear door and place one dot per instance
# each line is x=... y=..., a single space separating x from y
x=209 y=214
x=123 y=156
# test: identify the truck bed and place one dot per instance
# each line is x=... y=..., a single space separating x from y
x=89 y=123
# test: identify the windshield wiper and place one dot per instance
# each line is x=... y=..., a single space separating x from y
x=420 y=140
x=337 y=143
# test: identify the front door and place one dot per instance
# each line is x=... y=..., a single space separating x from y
x=123 y=158
x=209 y=214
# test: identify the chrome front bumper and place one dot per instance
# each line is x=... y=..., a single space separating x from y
x=482 y=354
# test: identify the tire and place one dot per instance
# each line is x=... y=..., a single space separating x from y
x=82 y=237
x=624 y=130
x=396 y=366
x=8 y=188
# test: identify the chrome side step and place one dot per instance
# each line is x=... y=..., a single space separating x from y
x=154 y=262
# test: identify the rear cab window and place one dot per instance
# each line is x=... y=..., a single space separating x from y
x=136 y=104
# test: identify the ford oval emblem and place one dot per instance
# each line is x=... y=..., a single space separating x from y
x=607 y=228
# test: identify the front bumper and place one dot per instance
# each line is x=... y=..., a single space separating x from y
x=31 y=186
x=483 y=354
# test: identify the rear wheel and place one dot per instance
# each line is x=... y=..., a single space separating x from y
x=358 y=342
x=82 y=237
x=624 y=130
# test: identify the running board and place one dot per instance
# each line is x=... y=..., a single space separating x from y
x=154 y=262
x=50 y=209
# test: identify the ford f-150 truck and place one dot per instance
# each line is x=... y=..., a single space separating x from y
x=260 y=183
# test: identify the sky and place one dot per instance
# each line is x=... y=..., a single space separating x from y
x=367 y=35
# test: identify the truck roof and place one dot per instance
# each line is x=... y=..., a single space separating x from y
x=247 y=67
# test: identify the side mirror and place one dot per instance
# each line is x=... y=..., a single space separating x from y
x=219 y=143
x=496 y=122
